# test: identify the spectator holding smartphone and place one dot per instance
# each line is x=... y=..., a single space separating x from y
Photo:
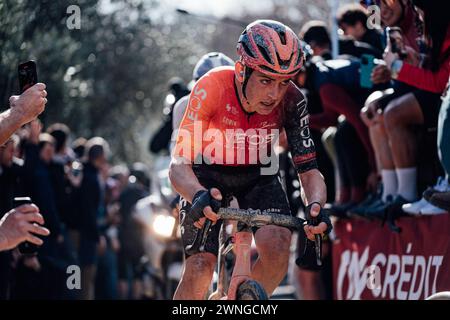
x=19 y=224
x=23 y=109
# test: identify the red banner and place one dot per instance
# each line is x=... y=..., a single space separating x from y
x=372 y=262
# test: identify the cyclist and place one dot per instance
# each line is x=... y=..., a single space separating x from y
x=207 y=62
x=256 y=97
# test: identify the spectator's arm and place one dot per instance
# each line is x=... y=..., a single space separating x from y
x=425 y=79
x=23 y=109
x=9 y=123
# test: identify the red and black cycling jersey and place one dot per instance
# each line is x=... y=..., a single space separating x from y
x=217 y=127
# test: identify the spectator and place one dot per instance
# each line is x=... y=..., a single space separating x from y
x=207 y=62
x=23 y=109
x=402 y=13
x=106 y=282
x=399 y=13
x=9 y=177
x=442 y=199
x=78 y=147
x=39 y=152
x=316 y=35
x=423 y=109
x=42 y=276
x=17 y=224
x=59 y=170
x=352 y=19
x=131 y=233
x=396 y=141
x=161 y=139
x=91 y=199
x=334 y=86
x=10 y=173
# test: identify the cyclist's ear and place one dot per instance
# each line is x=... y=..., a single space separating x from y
x=239 y=71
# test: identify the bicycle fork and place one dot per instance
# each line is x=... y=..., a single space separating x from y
x=242 y=266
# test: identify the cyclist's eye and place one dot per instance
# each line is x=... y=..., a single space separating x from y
x=285 y=83
x=265 y=81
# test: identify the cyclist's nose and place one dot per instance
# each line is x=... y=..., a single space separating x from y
x=273 y=92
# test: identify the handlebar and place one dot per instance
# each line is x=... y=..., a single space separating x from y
x=253 y=218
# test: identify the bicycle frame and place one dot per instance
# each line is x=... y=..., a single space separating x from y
x=241 y=241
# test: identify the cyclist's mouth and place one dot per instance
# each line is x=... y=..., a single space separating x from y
x=268 y=104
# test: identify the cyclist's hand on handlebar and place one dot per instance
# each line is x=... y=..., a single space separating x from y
x=204 y=200
x=324 y=226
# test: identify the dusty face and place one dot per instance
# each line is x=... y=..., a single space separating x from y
x=6 y=154
x=391 y=12
x=264 y=93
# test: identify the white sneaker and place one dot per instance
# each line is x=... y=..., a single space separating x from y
x=415 y=207
x=442 y=185
x=429 y=210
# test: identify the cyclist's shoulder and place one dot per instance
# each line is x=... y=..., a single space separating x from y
x=219 y=76
x=294 y=96
x=215 y=82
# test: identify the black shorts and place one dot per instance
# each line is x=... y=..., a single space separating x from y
x=246 y=184
x=429 y=102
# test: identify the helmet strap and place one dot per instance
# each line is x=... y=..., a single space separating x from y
x=247 y=74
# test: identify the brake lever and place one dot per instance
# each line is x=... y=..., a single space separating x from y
x=317 y=238
x=199 y=243
x=317 y=243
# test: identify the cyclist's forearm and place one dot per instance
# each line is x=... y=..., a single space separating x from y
x=313 y=187
x=184 y=180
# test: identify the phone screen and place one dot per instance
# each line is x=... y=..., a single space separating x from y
x=27 y=75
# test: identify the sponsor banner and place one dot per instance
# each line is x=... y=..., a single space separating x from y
x=372 y=262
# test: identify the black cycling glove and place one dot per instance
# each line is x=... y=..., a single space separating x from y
x=200 y=201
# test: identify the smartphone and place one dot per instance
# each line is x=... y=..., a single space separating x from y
x=366 y=68
x=27 y=75
x=26 y=248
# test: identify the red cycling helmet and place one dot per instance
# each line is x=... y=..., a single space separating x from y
x=270 y=47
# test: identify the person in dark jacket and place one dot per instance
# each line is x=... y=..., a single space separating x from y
x=352 y=19
x=160 y=141
x=41 y=276
x=91 y=199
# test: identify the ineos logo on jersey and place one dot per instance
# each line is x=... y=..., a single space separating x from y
x=195 y=103
x=304 y=122
x=252 y=137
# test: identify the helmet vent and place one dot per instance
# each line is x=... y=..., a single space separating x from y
x=284 y=63
x=247 y=50
x=265 y=54
x=282 y=35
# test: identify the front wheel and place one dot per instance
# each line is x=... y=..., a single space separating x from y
x=251 y=290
